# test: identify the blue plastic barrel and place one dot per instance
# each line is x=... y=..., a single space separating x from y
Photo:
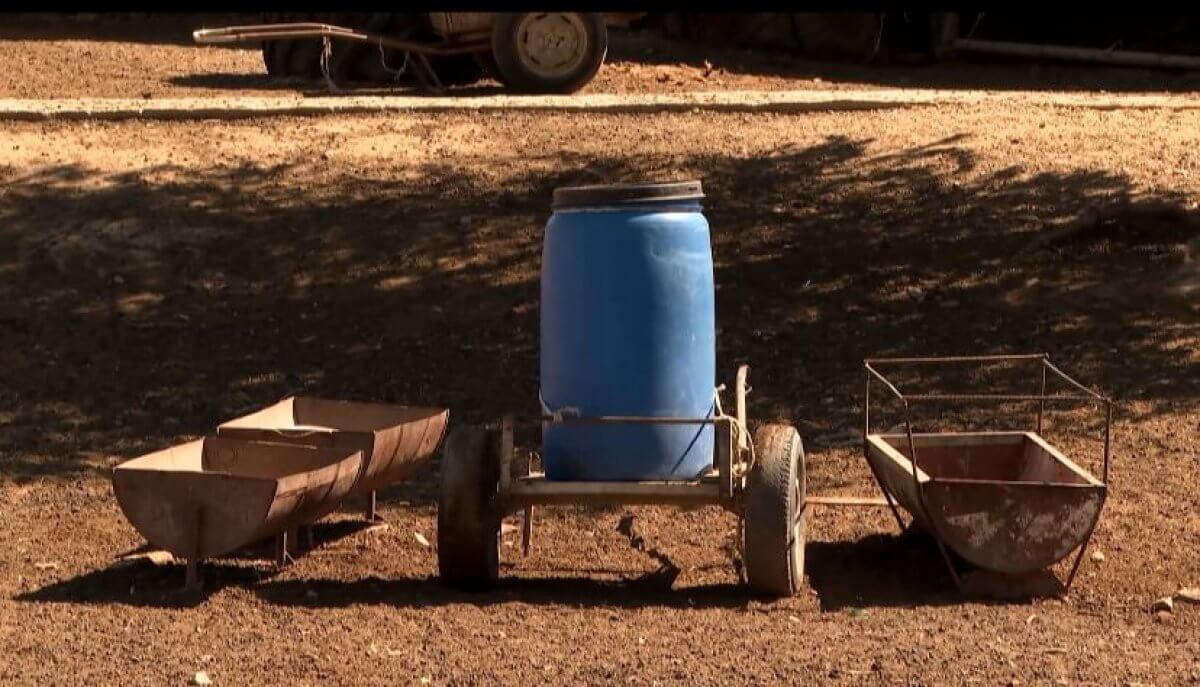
x=627 y=328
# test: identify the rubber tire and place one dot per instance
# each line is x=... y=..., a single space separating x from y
x=518 y=77
x=277 y=54
x=294 y=58
x=349 y=61
x=773 y=500
x=468 y=517
x=353 y=62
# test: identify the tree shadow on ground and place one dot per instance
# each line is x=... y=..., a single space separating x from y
x=147 y=585
x=146 y=306
x=585 y=592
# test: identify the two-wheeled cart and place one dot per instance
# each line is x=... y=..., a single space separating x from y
x=760 y=478
x=539 y=52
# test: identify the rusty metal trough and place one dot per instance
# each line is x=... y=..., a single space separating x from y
x=212 y=496
x=1008 y=501
x=269 y=473
x=395 y=440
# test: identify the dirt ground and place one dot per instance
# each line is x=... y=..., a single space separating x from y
x=157 y=278
x=159 y=59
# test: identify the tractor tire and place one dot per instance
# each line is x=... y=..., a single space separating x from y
x=548 y=52
x=468 y=516
x=775 y=513
x=349 y=62
x=300 y=58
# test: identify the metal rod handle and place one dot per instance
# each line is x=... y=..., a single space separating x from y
x=630 y=419
x=958 y=359
x=1000 y=397
x=1067 y=378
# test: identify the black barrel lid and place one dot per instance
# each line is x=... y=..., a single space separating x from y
x=626 y=194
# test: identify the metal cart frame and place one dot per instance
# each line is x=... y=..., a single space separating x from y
x=725 y=485
x=1046 y=368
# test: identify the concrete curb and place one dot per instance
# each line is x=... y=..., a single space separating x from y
x=117 y=109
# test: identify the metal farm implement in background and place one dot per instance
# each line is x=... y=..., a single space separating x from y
x=538 y=52
x=1005 y=501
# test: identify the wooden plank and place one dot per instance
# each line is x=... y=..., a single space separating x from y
x=724 y=456
x=527 y=492
x=870 y=501
x=743 y=376
x=506 y=451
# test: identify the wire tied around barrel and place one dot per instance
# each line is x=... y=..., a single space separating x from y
x=559 y=415
x=739 y=429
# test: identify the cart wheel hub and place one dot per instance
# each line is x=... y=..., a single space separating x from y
x=551 y=44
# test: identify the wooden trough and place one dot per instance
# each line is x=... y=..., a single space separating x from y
x=209 y=497
x=1009 y=502
x=395 y=440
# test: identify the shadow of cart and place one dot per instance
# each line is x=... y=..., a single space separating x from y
x=906 y=571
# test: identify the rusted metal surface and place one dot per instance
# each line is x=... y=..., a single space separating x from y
x=458 y=26
x=1004 y=501
x=395 y=440
x=1009 y=502
x=851 y=501
x=1013 y=528
x=212 y=496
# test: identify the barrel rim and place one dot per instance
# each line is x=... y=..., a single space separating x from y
x=627 y=194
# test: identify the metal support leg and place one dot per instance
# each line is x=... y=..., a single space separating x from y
x=887 y=496
x=426 y=74
x=372 y=511
x=949 y=563
x=191 y=580
x=527 y=531
x=283 y=547
x=1078 y=560
x=527 y=522
x=891 y=502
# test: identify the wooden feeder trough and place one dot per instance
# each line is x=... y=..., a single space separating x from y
x=1009 y=502
x=209 y=497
